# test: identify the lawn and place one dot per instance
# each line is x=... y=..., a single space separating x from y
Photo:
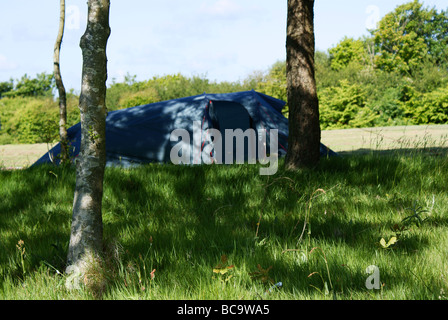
x=225 y=232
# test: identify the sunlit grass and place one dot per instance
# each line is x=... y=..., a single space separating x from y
x=166 y=227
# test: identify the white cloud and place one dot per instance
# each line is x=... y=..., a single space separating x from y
x=6 y=64
x=27 y=33
x=226 y=9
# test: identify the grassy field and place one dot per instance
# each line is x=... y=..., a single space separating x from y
x=365 y=140
x=225 y=232
x=21 y=155
x=360 y=140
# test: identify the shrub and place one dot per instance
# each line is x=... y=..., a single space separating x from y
x=132 y=93
x=42 y=85
x=346 y=52
x=388 y=107
x=344 y=106
x=34 y=119
x=132 y=99
x=428 y=108
x=5 y=87
x=34 y=123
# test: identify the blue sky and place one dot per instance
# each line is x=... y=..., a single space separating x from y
x=225 y=40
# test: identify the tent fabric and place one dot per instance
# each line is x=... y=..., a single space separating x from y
x=141 y=134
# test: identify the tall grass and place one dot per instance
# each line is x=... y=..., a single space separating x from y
x=167 y=227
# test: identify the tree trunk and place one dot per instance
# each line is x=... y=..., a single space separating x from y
x=304 y=128
x=61 y=88
x=86 y=239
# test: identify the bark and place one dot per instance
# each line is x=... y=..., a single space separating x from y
x=87 y=227
x=61 y=89
x=304 y=128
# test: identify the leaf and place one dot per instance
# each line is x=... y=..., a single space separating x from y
x=398 y=228
x=222 y=267
x=262 y=274
x=220 y=271
x=228 y=278
x=391 y=241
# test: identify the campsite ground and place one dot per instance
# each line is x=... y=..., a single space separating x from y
x=228 y=233
x=358 y=140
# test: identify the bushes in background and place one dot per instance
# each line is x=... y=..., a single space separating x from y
x=33 y=119
x=396 y=76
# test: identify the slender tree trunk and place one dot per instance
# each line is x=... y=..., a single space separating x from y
x=304 y=128
x=86 y=240
x=61 y=88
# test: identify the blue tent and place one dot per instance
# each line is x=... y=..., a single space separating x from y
x=141 y=134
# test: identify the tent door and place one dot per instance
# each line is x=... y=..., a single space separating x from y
x=232 y=115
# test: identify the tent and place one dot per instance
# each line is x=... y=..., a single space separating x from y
x=143 y=134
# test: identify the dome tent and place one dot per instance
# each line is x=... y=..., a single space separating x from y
x=143 y=134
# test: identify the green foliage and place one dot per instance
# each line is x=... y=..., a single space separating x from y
x=347 y=51
x=386 y=92
x=417 y=215
x=344 y=106
x=388 y=107
x=132 y=93
x=34 y=119
x=409 y=35
x=429 y=77
x=404 y=55
x=132 y=99
x=5 y=87
x=23 y=114
x=42 y=85
x=428 y=108
x=35 y=124
x=400 y=70
x=274 y=83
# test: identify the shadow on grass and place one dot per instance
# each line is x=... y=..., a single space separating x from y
x=35 y=207
x=201 y=213
x=181 y=219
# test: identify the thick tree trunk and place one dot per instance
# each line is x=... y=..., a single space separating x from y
x=87 y=227
x=304 y=128
x=61 y=89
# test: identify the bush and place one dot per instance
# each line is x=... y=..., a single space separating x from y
x=388 y=107
x=344 y=106
x=42 y=85
x=132 y=99
x=428 y=108
x=34 y=120
x=132 y=93
x=5 y=87
x=274 y=83
x=429 y=77
x=346 y=52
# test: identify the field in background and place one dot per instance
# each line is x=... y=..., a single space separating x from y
x=345 y=140
x=361 y=140
x=21 y=155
